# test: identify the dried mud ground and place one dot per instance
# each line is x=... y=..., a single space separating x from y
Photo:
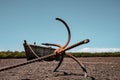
x=99 y=68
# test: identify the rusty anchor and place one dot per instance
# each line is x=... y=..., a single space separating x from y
x=60 y=51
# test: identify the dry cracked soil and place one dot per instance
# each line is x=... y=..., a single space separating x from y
x=98 y=68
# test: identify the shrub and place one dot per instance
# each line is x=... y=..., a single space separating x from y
x=102 y=54
x=10 y=54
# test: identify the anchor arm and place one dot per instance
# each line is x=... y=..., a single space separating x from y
x=68 y=30
x=77 y=44
x=51 y=44
x=80 y=64
x=60 y=62
x=69 y=36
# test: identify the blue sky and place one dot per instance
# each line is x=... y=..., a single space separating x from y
x=34 y=21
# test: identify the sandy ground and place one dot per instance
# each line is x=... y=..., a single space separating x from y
x=99 y=68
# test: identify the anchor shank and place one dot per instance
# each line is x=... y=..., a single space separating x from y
x=24 y=63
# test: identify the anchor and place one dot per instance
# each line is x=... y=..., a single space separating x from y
x=59 y=51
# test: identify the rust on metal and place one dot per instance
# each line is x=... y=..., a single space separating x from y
x=60 y=51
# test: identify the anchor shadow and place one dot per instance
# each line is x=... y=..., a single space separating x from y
x=63 y=73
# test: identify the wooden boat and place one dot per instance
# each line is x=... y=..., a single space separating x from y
x=33 y=51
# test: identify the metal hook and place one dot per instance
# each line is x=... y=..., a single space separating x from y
x=60 y=51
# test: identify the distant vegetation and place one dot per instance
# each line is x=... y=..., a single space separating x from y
x=11 y=54
x=17 y=54
x=100 y=54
